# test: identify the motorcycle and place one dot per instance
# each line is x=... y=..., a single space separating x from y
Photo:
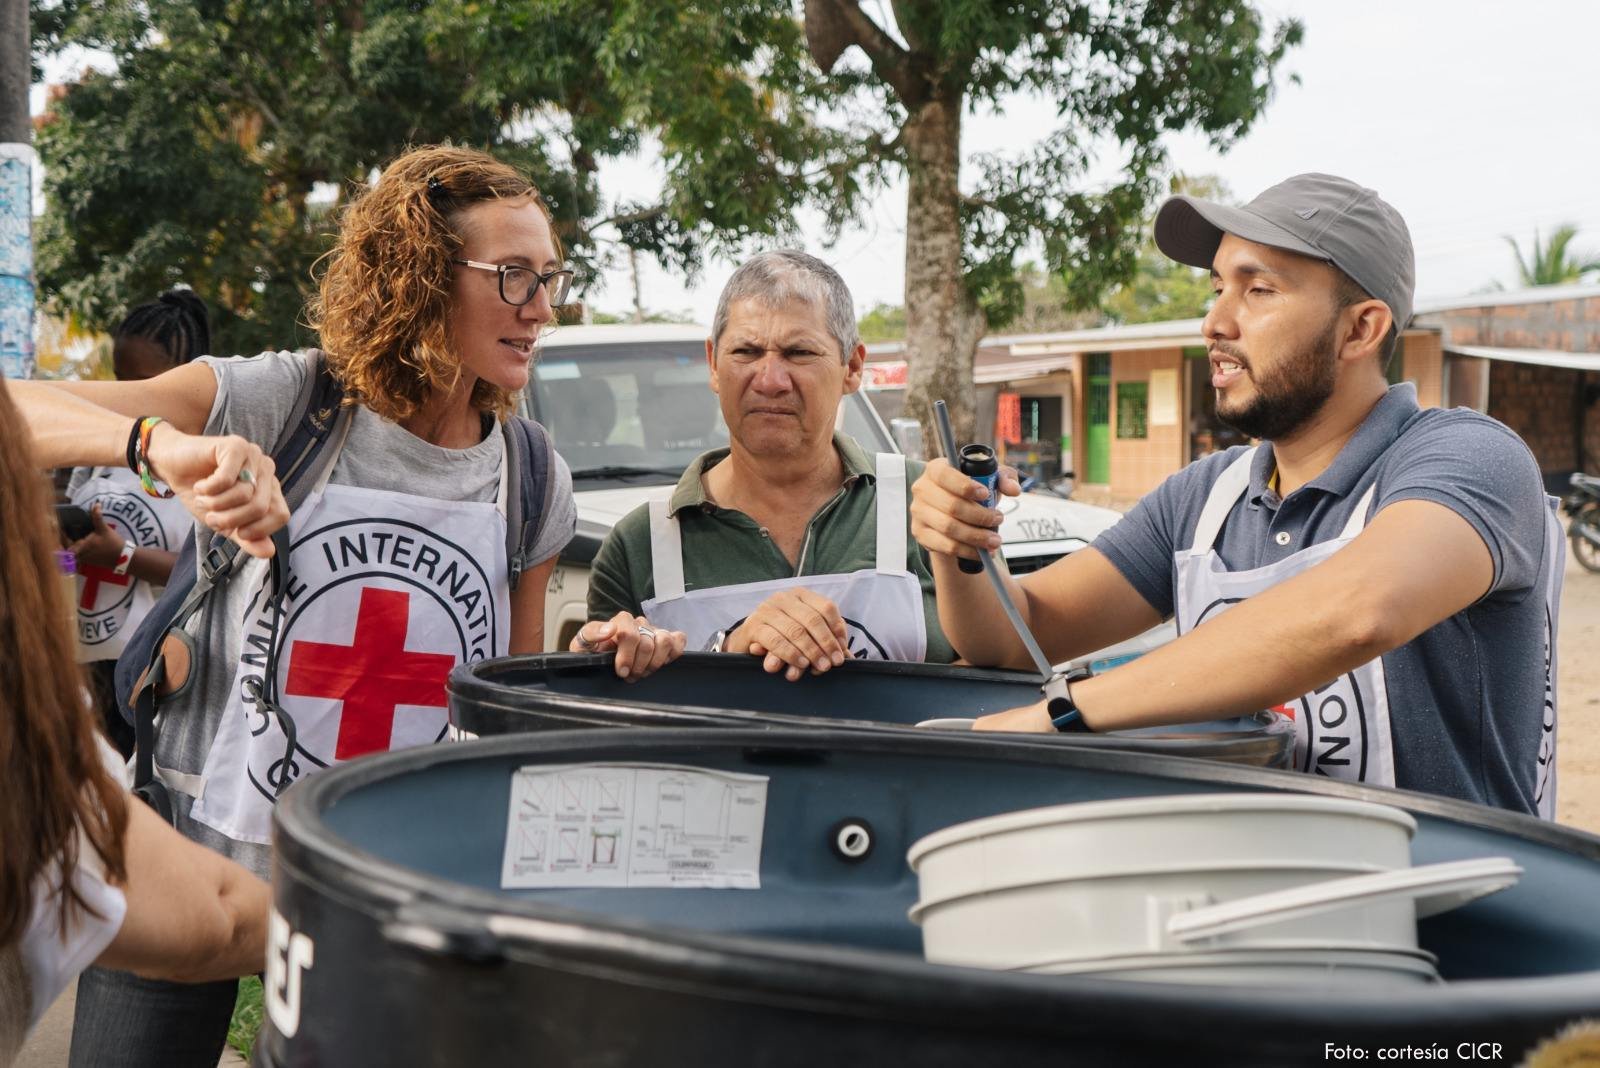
x=1582 y=503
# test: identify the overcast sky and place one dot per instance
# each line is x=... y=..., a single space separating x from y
x=1475 y=119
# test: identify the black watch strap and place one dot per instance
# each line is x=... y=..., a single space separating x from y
x=1064 y=714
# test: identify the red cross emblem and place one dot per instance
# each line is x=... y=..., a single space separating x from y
x=371 y=675
x=93 y=577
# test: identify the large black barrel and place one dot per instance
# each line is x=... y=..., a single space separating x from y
x=393 y=943
x=560 y=691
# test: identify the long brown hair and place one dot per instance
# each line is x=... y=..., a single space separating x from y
x=55 y=781
x=384 y=300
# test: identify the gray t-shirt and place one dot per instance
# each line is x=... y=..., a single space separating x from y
x=255 y=399
x=1467 y=697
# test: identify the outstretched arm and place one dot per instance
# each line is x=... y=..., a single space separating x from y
x=1416 y=564
x=227 y=483
x=85 y=424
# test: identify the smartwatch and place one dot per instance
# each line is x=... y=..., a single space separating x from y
x=1063 y=712
x=125 y=557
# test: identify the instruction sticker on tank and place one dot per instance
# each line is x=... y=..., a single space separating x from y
x=640 y=825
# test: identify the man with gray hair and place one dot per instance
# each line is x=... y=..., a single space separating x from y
x=791 y=544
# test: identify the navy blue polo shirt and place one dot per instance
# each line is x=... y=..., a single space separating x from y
x=1467 y=697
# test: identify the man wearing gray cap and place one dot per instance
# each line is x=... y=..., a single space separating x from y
x=1387 y=575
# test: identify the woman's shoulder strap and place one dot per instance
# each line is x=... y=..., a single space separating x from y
x=531 y=454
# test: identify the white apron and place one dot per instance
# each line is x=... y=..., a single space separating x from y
x=881 y=606
x=1555 y=548
x=110 y=606
x=1341 y=730
x=387 y=593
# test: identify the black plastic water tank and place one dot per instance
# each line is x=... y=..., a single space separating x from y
x=394 y=943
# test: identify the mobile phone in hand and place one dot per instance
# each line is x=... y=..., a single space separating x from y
x=75 y=523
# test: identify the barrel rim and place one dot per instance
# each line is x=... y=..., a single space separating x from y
x=474 y=672
x=1272 y=733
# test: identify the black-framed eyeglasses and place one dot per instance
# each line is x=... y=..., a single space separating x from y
x=519 y=285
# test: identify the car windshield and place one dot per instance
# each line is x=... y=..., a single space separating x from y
x=643 y=408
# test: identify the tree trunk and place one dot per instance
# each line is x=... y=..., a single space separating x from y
x=638 y=294
x=16 y=194
x=943 y=322
x=15 y=126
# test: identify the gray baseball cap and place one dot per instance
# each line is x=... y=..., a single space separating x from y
x=1316 y=215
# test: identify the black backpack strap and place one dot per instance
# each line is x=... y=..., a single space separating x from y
x=318 y=412
x=531 y=456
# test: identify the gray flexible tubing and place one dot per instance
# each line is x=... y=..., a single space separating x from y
x=947 y=438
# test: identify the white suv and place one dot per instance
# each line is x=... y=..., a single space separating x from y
x=630 y=406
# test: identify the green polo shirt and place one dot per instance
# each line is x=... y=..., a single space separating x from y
x=724 y=547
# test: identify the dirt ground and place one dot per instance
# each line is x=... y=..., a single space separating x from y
x=1578 y=701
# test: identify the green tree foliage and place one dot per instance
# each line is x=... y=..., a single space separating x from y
x=1552 y=263
x=885 y=322
x=1163 y=289
x=231 y=131
x=744 y=123
x=1046 y=308
x=1125 y=73
x=231 y=128
x=228 y=130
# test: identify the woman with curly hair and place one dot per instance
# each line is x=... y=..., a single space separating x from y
x=85 y=876
x=443 y=276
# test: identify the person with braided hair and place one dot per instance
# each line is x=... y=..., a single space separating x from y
x=165 y=333
x=125 y=560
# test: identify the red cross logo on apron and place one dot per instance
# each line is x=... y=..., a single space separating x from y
x=371 y=675
x=93 y=577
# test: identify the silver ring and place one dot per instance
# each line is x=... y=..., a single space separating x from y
x=646 y=632
x=246 y=476
x=585 y=642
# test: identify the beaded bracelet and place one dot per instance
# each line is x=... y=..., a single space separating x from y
x=147 y=477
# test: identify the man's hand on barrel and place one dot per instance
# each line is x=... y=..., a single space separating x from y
x=640 y=648
x=947 y=512
x=793 y=631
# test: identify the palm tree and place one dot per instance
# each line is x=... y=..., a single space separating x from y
x=1551 y=264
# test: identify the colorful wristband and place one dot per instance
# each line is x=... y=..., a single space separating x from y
x=147 y=477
